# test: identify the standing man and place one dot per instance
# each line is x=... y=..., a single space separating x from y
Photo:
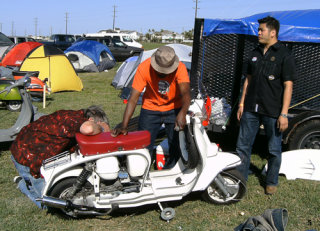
x=48 y=136
x=265 y=99
x=165 y=101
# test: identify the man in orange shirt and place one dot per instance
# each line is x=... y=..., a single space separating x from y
x=165 y=101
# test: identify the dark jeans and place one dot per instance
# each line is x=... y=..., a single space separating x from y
x=249 y=127
x=152 y=122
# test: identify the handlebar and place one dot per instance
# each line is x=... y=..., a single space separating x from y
x=19 y=83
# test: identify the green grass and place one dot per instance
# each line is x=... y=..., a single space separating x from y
x=300 y=197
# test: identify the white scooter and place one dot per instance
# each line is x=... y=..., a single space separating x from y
x=107 y=173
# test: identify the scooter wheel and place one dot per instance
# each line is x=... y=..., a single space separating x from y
x=14 y=105
x=189 y=152
x=167 y=214
x=233 y=183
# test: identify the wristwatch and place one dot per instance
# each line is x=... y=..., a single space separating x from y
x=284 y=115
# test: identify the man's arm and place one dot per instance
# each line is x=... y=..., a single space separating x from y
x=186 y=98
x=131 y=105
x=243 y=96
x=283 y=121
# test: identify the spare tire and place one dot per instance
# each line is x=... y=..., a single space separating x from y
x=189 y=152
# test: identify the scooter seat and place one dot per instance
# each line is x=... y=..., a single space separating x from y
x=105 y=143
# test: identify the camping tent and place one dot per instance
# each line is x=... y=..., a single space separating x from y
x=18 y=53
x=90 y=56
x=54 y=65
x=124 y=72
x=128 y=69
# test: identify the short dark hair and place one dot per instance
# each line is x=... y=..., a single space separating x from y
x=271 y=23
x=96 y=113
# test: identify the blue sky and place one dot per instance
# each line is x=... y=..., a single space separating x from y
x=21 y=17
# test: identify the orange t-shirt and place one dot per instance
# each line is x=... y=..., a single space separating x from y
x=161 y=94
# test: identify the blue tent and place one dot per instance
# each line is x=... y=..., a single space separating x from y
x=90 y=56
x=295 y=26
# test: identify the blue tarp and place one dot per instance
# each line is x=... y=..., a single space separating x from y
x=92 y=49
x=295 y=26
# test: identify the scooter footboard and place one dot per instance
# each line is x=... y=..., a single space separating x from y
x=222 y=161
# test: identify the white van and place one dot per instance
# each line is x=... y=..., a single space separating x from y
x=125 y=38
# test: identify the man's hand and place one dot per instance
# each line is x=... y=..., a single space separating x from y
x=240 y=112
x=117 y=131
x=282 y=123
x=181 y=120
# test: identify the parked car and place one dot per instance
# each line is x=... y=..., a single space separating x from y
x=5 y=43
x=123 y=37
x=119 y=50
x=21 y=39
x=62 y=41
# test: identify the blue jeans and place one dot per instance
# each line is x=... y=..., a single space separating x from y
x=28 y=185
x=249 y=127
x=152 y=122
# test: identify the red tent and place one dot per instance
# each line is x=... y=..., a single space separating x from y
x=18 y=53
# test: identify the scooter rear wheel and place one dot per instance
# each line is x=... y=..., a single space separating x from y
x=234 y=183
x=60 y=190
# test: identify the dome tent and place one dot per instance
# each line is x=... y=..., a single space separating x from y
x=90 y=56
x=54 y=65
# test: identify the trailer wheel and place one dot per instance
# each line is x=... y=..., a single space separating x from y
x=306 y=136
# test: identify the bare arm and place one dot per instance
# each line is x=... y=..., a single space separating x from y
x=131 y=105
x=283 y=121
x=243 y=96
x=186 y=98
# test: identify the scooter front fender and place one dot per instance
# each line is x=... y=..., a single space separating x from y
x=14 y=94
x=213 y=166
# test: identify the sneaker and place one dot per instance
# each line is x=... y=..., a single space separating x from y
x=17 y=179
x=270 y=190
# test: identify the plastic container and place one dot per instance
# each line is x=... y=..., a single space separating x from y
x=162 y=154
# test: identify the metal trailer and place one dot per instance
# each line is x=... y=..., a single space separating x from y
x=219 y=63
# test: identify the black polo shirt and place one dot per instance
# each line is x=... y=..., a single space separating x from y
x=269 y=71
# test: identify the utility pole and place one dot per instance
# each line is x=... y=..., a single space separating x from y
x=114 y=16
x=66 y=22
x=12 y=28
x=196 y=8
x=36 y=27
x=0 y=27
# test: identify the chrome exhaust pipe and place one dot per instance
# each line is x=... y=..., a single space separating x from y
x=54 y=202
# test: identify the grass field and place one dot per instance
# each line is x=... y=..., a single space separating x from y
x=299 y=197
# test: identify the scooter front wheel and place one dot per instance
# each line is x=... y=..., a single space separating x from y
x=14 y=105
x=234 y=188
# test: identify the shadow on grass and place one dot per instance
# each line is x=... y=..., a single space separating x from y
x=134 y=211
